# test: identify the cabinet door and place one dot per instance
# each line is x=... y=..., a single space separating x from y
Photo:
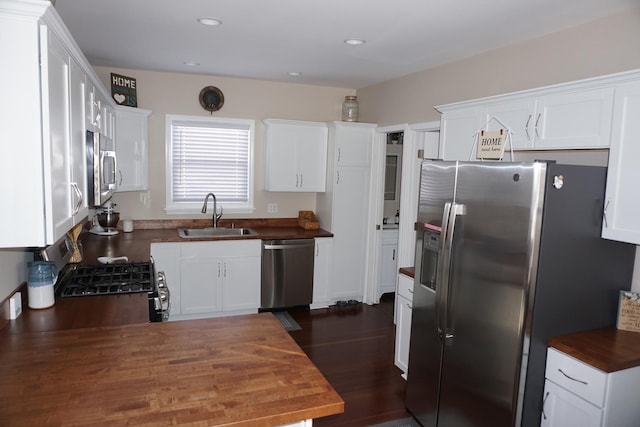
x=349 y=215
x=622 y=204
x=353 y=143
x=458 y=130
x=78 y=142
x=579 y=119
x=322 y=271
x=56 y=133
x=388 y=266
x=131 y=149
x=200 y=285
x=311 y=156
x=241 y=283
x=562 y=408
x=518 y=117
x=280 y=155
x=403 y=333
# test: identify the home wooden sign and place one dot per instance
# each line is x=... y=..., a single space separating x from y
x=123 y=90
x=490 y=144
x=629 y=311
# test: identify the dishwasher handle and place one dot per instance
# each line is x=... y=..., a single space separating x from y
x=288 y=245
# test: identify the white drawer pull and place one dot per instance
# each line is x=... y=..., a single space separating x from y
x=573 y=379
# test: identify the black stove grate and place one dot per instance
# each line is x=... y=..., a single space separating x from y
x=107 y=279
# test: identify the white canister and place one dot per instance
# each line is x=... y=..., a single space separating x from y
x=41 y=278
x=127 y=225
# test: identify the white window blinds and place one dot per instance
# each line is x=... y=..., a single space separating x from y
x=210 y=155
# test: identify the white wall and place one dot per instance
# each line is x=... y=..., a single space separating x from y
x=13 y=268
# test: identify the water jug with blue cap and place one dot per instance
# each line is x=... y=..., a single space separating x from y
x=40 y=280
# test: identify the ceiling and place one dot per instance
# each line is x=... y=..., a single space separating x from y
x=267 y=39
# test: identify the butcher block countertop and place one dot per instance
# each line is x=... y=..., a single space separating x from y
x=607 y=349
x=136 y=245
x=229 y=371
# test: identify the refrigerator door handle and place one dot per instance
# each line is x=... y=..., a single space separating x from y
x=443 y=285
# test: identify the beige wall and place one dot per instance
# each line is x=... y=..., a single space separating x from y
x=602 y=47
x=172 y=93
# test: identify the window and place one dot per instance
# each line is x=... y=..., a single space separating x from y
x=209 y=155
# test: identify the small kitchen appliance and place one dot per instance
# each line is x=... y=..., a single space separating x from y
x=504 y=261
x=105 y=220
x=101 y=168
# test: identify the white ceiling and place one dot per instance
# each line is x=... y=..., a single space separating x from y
x=266 y=39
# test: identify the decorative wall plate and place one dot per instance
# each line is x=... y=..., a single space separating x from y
x=211 y=98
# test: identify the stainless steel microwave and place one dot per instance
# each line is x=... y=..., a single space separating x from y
x=101 y=168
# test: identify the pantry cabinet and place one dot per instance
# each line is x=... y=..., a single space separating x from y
x=296 y=156
x=344 y=208
x=44 y=89
x=132 y=148
x=579 y=394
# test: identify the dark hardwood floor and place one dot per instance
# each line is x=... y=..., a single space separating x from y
x=353 y=347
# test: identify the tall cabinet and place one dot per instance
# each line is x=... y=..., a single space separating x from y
x=344 y=208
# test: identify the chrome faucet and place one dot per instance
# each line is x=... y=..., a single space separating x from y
x=216 y=215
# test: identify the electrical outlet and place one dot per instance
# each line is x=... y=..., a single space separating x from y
x=272 y=207
x=15 y=305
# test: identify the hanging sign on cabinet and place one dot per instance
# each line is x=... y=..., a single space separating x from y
x=490 y=144
x=123 y=90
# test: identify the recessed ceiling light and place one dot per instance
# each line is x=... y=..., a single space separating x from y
x=191 y=63
x=210 y=21
x=355 y=42
x=295 y=73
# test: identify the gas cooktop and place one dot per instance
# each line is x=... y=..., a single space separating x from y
x=107 y=279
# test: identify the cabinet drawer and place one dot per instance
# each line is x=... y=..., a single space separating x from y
x=585 y=381
x=405 y=287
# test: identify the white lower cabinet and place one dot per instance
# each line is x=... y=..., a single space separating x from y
x=322 y=272
x=404 y=301
x=209 y=279
x=388 y=262
x=578 y=394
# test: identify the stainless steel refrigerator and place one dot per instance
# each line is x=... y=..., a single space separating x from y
x=507 y=256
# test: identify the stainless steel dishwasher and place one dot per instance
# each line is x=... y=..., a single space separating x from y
x=287 y=273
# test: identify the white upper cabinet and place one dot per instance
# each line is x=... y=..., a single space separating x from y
x=353 y=144
x=296 y=156
x=622 y=204
x=457 y=130
x=44 y=86
x=131 y=142
x=562 y=117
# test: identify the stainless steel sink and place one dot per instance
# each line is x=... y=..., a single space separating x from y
x=193 y=233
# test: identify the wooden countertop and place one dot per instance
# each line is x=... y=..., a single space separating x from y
x=136 y=245
x=231 y=371
x=607 y=349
